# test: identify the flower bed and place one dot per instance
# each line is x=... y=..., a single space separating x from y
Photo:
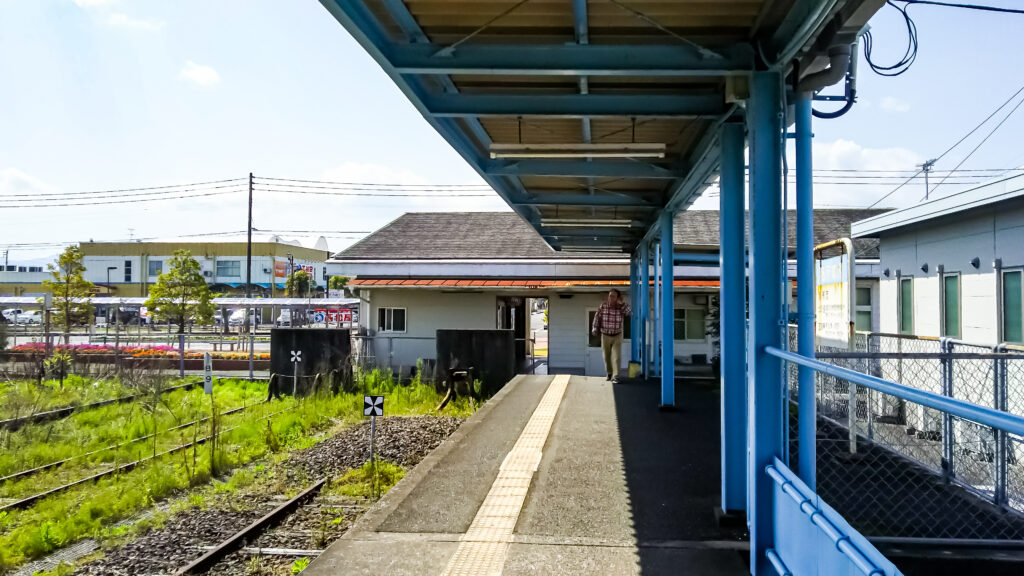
x=83 y=351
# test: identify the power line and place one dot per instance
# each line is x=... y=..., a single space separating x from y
x=958 y=142
x=122 y=201
x=909 y=55
x=985 y=139
x=372 y=194
x=367 y=184
x=981 y=7
x=168 y=188
x=75 y=198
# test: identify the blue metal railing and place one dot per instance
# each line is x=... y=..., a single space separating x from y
x=816 y=527
x=974 y=412
x=811 y=518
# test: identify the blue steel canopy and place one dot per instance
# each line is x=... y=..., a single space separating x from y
x=562 y=78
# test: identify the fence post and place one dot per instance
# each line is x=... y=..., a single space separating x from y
x=1000 y=389
x=946 y=347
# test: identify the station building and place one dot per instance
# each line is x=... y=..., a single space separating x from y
x=485 y=270
x=952 y=266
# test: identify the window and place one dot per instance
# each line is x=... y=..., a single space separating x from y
x=594 y=340
x=906 y=305
x=862 y=312
x=391 y=319
x=127 y=270
x=156 y=267
x=229 y=268
x=689 y=324
x=951 y=305
x=1013 y=312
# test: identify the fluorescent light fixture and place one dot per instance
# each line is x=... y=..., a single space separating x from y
x=585 y=248
x=587 y=222
x=624 y=150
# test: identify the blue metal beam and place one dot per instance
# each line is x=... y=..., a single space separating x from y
x=580 y=59
x=595 y=232
x=574 y=105
x=575 y=198
x=764 y=384
x=634 y=291
x=807 y=429
x=582 y=169
x=732 y=318
x=667 y=320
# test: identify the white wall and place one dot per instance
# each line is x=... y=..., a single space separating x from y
x=952 y=242
x=426 y=311
x=96 y=268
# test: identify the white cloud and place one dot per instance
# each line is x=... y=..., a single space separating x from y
x=16 y=182
x=93 y=3
x=198 y=74
x=120 y=20
x=893 y=104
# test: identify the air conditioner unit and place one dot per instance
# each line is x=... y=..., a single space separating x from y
x=207 y=273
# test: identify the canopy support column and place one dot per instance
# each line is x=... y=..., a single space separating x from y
x=732 y=307
x=805 y=290
x=765 y=386
x=634 y=290
x=667 y=320
x=645 y=307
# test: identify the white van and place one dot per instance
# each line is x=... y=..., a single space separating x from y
x=237 y=317
x=11 y=314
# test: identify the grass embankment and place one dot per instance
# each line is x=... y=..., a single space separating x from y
x=23 y=397
x=89 y=431
x=90 y=510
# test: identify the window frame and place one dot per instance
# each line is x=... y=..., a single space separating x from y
x=127 y=270
x=943 y=275
x=869 y=307
x=389 y=314
x=1002 y=301
x=901 y=304
x=686 y=324
x=233 y=264
x=160 y=268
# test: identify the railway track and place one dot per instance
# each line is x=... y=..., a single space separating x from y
x=52 y=465
x=59 y=413
x=29 y=500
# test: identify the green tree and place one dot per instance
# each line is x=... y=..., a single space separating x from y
x=299 y=284
x=180 y=294
x=71 y=291
x=339 y=283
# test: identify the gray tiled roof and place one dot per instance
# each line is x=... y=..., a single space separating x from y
x=700 y=228
x=504 y=235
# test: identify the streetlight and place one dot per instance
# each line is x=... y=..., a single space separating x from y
x=106 y=327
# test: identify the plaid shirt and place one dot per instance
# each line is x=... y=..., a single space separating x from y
x=608 y=319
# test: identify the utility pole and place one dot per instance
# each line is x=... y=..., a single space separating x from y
x=926 y=167
x=248 y=278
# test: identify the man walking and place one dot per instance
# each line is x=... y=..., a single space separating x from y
x=608 y=322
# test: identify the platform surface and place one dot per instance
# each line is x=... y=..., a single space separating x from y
x=619 y=488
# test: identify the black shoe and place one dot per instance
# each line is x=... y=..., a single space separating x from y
x=615 y=379
x=609 y=378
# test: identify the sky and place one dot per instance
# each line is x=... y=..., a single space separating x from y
x=111 y=94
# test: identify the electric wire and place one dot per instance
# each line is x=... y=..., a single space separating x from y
x=121 y=201
x=950 y=149
x=909 y=55
x=980 y=7
x=168 y=188
x=372 y=183
x=985 y=139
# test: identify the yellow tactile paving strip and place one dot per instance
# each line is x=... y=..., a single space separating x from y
x=483 y=547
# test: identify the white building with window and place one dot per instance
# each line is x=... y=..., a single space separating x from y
x=487 y=270
x=953 y=266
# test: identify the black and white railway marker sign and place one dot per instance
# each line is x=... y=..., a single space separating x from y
x=296 y=355
x=373 y=405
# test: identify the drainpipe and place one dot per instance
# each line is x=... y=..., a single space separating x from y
x=842 y=63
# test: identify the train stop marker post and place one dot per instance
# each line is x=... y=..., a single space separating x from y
x=373 y=406
x=296 y=358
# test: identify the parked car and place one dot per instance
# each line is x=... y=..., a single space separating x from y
x=11 y=314
x=237 y=317
x=30 y=317
x=284 y=318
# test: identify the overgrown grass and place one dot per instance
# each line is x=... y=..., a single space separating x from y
x=90 y=430
x=363 y=483
x=21 y=398
x=278 y=426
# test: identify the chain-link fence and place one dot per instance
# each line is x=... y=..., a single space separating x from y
x=910 y=471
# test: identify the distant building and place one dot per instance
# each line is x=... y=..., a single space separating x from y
x=953 y=266
x=484 y=270
x=128 y=269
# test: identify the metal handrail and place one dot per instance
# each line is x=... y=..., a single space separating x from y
x=967 y=410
